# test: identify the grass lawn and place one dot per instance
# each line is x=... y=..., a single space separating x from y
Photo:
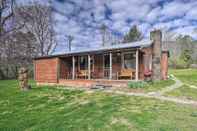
x=155 y=86
x=188 y=76
x=149 y=87
x=184 y=92
x=49 y=109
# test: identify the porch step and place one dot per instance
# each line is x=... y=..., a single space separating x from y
x=100 y=86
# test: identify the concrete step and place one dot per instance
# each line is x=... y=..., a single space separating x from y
x=100 y=86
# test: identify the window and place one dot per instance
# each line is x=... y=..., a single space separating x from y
x=83 y=63
x=106 y=61
x=129 y=61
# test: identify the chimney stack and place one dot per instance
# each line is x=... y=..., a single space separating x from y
x=156 y=36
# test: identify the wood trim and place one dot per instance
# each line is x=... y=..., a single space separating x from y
x=137 y=66
x=110 y=65
x=89 y=67
x=73 y=69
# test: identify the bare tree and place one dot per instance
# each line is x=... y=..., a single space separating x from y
x=168 y=35
x=6 y=13
x=38 y=21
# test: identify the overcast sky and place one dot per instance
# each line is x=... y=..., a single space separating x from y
x=82 y=18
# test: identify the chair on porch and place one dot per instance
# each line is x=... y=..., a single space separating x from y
x=126 y=73
x=82 y=74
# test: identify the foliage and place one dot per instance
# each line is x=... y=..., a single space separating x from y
x=51 y=109
x=182 y=56
x=177 y=63
x=133 y=35
x=186 y=57
x=186 y=48
x=137 y=84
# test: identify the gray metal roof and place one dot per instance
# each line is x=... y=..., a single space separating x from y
x=138 y=44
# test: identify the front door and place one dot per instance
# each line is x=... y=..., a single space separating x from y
x=106 y=64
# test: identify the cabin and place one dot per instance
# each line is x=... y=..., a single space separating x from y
x=115 y=65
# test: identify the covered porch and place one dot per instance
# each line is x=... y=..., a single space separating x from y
x=114 y=65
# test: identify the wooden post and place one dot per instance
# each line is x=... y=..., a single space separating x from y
x=110 y=66
x=122 y=60
x=89 y=67
x=73 y=73
x=137 y=65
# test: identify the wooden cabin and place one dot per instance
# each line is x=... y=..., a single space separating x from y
x=115 y=65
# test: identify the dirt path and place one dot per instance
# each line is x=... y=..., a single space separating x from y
x=177 y=84
x=157 y=94
x=191 y=86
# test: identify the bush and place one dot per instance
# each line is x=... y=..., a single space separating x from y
x=137 y=84
x=178 y=63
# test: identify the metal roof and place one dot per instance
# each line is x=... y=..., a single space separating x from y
x=138 y=44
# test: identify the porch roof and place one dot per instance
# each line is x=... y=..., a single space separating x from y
x=138 y=44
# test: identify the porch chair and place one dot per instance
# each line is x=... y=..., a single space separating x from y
x=126 y=73
x=82 y=74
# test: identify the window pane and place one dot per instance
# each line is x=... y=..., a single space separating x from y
x=129 y=61
x=106 y=61
x=83 y=63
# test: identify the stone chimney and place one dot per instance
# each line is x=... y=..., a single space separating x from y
x=156 y=36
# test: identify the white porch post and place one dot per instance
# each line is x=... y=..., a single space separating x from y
x=89 y=67
x=137 y=66
x=73 y=71
x=110 y=65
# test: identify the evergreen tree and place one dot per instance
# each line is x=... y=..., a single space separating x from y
x=133 y=35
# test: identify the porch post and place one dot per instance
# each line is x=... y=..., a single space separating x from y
x=110 y=65
x=89 y=67
x=137 y=65
x=73 y=71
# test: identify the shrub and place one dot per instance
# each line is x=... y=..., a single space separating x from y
x=137 y=84
x=178 y=63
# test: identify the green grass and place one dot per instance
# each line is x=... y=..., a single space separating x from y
x=184 y=92
x=158 y=85
x=145 y=87
x=188 y=76
x=51 y=109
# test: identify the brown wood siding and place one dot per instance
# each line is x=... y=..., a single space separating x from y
x=46 y=70
x=65 y=68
